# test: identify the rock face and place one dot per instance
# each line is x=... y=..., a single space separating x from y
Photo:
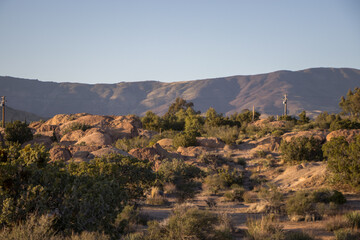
x=349 y=134
x=317 y=134
x=59 y=153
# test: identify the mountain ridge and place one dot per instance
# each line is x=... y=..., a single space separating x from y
x=312 y=89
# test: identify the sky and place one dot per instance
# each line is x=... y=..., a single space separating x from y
x=106 y=41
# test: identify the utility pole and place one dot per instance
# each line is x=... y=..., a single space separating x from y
x=285 y=99
x=3 y=101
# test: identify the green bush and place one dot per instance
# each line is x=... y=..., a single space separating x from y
x=346 y=234
x=76 y=126
x=227 y=134
x=236 y=194
x=343 y=160
x=18 y=132
x=353 y=219
x=306 y=202
x=187 y=222
x=184 y=140
x=265 y=228
x=297 y=236
x=344 y=124
x=127 y=144
x=182 y=175
x=86 y=196
x=301 y=149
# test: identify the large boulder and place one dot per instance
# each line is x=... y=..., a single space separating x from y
x=95 y=137
x=59 y=153
x=166 y=143
x=40 y=140
x=124 y=127
x=317 y=134
x=349 y=134
x=211 y=142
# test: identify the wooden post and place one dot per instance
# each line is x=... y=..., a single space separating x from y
x=253 y=113
x=3 y=110
x=285 y=104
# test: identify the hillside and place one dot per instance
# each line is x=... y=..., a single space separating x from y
x=12 y=114
x=313 y=90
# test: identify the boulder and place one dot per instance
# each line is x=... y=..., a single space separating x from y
x=124 y=127
x=165 y=143
x=95 y=137
x=349 y=134
x=44 y=140
x=59 y=153
x=211 y=142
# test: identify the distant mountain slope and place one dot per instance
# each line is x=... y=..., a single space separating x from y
x=313 y=90
x=12 y=114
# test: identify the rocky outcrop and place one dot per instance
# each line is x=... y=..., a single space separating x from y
x=317 y=134
x=59 y=153
x=44 y=140
x=192 y=151
x=211 y=142
x=95 y=137
x=348 y=134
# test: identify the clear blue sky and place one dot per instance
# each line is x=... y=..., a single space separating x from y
x=130 y=40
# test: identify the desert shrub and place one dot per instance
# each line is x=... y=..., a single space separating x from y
x=272 y=196
x=86 y=196
x=241 y=161
x=127 y=220
x=227 y=134
x=346 y=234
x=34 y=227
x=187 y=222
x=166 y=134
x=182 y=175
x=18 y=131
x=306 y=202
x=184 y=140
x=134 y=236
x=230 y=177
x=250 y=197
x=259 y=154
x=127 y=144
x=353 y=219
x=76 y=126
x=213 y=183
x=343 y=160
x=336 y=222
x=266 y=228
x=277 y=133
x=235 y=194
x=292 y=235
x=156 y=197
x=301 y=149
x=344 y=124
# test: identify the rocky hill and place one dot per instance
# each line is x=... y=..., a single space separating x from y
x=12 y=114
x=313 y=90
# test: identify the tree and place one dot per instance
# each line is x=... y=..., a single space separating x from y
x=213 y=118
x=351 y=104
x=303 y=118
x=18 y=132
x=151 y=121
x=344 y=160
x=177 y=106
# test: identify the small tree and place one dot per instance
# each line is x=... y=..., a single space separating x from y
x=301 y=149
x=344 y=160
x=351 y=104
x=18 y=132
x=303 y=118
x=151 y=121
